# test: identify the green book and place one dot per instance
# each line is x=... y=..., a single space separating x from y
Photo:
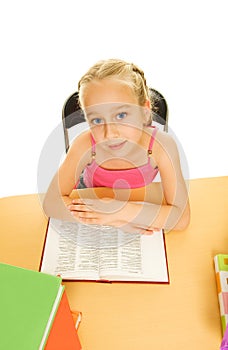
x=28 y=303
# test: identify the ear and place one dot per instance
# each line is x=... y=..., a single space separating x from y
x=147 y=112
x=148 y=104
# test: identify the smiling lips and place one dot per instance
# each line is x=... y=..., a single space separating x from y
x=117 y=146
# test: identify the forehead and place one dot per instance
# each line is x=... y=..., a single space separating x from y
x=107 y=91
x=112 y=108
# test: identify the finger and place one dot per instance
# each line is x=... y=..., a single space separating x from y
x=82 y=201
x=79 y=208
x=85 y=215
x=147 y=232
x=84 y=220
x=89 y=221
x=77 y=201
x=131 y=229
x=139 y=229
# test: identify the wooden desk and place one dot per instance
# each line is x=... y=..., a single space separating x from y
x=182 y=315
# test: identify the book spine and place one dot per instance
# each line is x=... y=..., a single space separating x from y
x=224 y=344
x=52 y=316
x=221 y=270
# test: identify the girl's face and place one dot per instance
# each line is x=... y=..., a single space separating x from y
x=114 y=115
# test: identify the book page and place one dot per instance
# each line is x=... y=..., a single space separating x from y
x=124 y=258
x=70 y=251
x=74 y=250
x=141 y=258
x=77 y=251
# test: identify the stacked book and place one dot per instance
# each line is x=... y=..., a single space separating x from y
x=221 y=270
x=34 y=311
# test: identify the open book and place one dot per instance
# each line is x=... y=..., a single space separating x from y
x=96 y=253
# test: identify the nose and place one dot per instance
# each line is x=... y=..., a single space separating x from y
x=111 y=130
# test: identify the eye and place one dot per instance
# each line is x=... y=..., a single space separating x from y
x=97 y=121
x=121 y=116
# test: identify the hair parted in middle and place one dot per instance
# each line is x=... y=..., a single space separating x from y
x=127 y=73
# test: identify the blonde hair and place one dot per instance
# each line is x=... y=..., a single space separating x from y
x=127 y=73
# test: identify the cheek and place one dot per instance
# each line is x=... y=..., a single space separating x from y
x=130 y=131
x=98 y=133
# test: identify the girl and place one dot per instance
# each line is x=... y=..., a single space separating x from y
x=121 y=150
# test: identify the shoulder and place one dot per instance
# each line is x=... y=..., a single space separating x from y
x=83 y=140
x=163 y=138
x=80 y=147
x=165 y=145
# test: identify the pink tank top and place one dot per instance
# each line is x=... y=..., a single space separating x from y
x=96 y=176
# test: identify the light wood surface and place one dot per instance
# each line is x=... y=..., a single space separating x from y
x=131 y=316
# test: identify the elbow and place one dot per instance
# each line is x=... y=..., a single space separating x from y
x=56 y=207
x=184 y=219
x=49 y=205
x=46 y=207
x=182 y=224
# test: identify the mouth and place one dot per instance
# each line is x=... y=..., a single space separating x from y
x=117 y=146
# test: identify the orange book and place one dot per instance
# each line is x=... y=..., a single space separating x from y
x=63 y=334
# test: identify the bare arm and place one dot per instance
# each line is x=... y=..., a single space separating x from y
x=175 y=214
x=57 y=197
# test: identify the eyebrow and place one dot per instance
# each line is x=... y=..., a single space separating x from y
x=113 y=109
x=124 y=106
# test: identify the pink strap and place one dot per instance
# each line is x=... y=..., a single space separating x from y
x=93 y=145
x=152 y=139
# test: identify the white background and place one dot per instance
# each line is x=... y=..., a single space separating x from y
x=47 y=45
